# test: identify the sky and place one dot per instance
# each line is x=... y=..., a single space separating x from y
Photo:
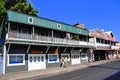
x=94 y=14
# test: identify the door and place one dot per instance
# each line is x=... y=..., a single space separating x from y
x=75 y=59
x=66 y=56
x=1 y=64
x=36 y=61
x=84 y=57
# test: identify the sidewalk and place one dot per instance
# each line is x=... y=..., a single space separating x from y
x=55 y=70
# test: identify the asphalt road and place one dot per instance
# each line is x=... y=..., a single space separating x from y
x=108 y=71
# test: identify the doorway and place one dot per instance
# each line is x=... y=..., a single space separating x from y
x=36 y=61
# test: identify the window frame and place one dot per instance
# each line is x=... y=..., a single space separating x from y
x=53 y=61
x=15 y=64
x=31 y=22
x=79 y=30
x=58 y=26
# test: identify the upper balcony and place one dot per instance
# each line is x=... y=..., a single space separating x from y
x=23 y=37
x=106 y=46
x=102 y=45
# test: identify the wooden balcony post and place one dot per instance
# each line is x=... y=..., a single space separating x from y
x=8 y=27
x=52 y=35
x=33 y=32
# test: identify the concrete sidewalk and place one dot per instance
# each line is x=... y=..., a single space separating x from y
x=49 y=71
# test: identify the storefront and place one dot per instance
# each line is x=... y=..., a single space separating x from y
x=36 y=61
x=118 y=53
x=112 y=54
x=75 y=57
x=99 y=55
x=84 y=57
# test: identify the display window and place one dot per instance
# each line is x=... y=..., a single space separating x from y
x=53 y=58
x=15 y=59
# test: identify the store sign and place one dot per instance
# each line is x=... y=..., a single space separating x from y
x=37 y=52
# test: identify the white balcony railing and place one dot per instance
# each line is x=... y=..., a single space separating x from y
x=73 y=42
x=91 y=44
x=115 y=47
x=45 y=39
x=83 y=43
x=101 y=45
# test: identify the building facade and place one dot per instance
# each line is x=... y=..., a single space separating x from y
x=105 y=45
x=32 y=43
x=118 y=44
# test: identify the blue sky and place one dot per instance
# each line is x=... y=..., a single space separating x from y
x=94 y=14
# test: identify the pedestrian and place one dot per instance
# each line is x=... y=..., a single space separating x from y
x=62 y=62
x=65 y=62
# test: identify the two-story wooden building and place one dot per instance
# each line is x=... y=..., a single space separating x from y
x=31 y=43
x=105 y=45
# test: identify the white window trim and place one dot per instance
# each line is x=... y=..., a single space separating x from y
x=53 y=61
x=79 y=30
x=29 y=20
x=17 y=64
x=59 y=25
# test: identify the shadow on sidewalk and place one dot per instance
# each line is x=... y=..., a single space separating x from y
x=115 y=76
x=107 y=67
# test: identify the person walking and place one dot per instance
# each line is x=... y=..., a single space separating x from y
x=62 y=62
x=65 y=62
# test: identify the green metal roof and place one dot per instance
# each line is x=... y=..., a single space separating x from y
x=43 y=22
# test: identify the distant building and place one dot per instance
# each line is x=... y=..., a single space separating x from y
x=105 y=45
x=118 y=44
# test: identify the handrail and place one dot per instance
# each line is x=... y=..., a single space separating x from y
x=40 y=38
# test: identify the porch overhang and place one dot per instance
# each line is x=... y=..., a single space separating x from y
x=47 y=44
x=104 y=49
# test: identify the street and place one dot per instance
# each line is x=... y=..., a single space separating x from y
x=108 y=71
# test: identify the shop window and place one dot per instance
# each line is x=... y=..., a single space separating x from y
x=53 y=58
x=42 y=58
x=34 y=58
x=15 y=59
x=30 y=58
x=38 y=58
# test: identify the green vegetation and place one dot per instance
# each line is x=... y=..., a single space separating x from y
x=16 y=5
x=75 y=37
x=2 y=9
